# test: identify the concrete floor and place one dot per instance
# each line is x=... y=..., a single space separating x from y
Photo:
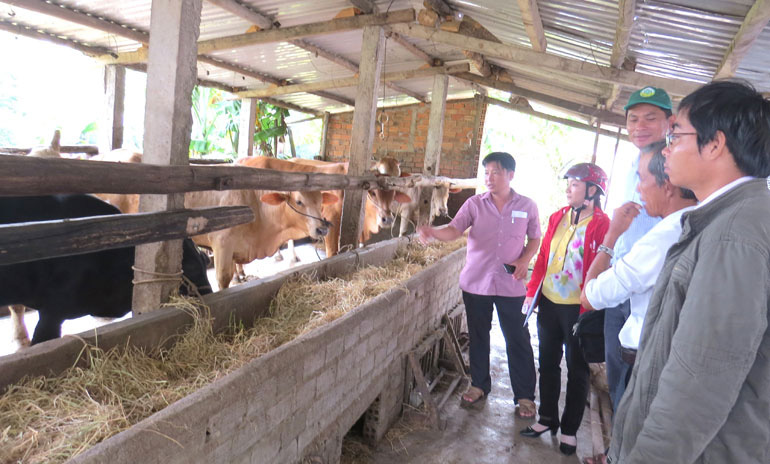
x=490 y=435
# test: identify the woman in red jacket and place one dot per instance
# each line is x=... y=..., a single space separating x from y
x=567 y=250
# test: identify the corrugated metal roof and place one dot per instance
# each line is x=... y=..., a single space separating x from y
x=682 y=39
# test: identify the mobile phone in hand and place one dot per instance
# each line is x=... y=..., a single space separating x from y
x=509 y=268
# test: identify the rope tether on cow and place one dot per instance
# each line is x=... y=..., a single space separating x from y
x=323 y=221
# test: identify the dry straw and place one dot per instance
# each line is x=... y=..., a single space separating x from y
x=52 y=419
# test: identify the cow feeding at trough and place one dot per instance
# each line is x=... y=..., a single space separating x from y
x=54 y=419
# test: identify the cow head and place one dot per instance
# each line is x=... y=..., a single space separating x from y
x=304 y=208
x=383 y=199
x=438 y=206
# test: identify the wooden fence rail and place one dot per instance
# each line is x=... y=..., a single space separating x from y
x=21 y=175
x=50 y=239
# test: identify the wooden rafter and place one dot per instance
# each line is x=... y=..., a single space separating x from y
x=550 y=117
x=755 y=22
x=352 y=81
x=281 y=35
x=626 y=9
x=530 y=16
x=516 y=54
x=32 y=32
x=243 y=11
x=588 y=111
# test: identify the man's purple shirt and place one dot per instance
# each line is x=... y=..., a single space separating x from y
x=495 y=238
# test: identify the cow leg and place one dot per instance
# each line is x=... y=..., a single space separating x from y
x=240 y=273
x=332 y=240
x=47 y=328
x=20 y=334
x=223 y=265
x=404 y=222
x=292 y=252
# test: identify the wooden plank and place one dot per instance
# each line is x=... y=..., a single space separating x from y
x=606 y=116
x=432 y=160
x=550 y=117
x=362 y=132
x=171 y=75
x=517 y=54
x=530 y=16
x=247 y=127
x=353 y=81
x=755 y=22
x=626 y=11
x=367 y=6
x=422 y=387
x=111 y=132
x=291 y=106
x=280 y=35
x=411 y=48
x=87 y=149
x=23 y=175
x=32 y=241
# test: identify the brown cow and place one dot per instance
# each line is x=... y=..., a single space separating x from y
x=126 y=203
x=378 y=203
x=279 y=217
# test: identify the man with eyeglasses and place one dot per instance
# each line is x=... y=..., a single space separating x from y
x=648 y=115
x=700 y=387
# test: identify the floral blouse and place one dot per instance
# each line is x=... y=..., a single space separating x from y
x=564 y=275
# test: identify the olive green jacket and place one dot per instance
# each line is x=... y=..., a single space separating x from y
x=700 y=388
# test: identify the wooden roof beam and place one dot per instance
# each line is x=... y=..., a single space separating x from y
x=588 y=111
x=530 y=16
x=756 y=20
x=33 y=32
x=352 y=81
x=245 y=12
x=626 y=9
x=516 y=54
x=280 y=35
x=84 y=18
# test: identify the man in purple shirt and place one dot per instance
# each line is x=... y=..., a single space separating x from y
x=501 y=221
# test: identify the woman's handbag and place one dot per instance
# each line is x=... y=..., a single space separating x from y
x=589 y=330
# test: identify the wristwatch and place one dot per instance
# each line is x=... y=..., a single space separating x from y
x=606 y=249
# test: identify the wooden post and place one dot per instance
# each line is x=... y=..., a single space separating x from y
x=111 y=136
x=362 y=133
x=247 y=127
x=433 y=144
x=596 y=139
x=291 y=142
x=324 y=134
x=171 y=75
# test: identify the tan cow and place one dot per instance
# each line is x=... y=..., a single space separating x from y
x=126 y=203
x=409 y=212
x=279 y=217
x=52 y=150
x=377 y=213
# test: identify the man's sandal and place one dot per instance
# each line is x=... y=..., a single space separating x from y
x=526 y=409
x=473 y=398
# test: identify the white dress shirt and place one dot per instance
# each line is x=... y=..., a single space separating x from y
x=634 y=276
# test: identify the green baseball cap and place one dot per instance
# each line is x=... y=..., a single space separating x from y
x=651 y=96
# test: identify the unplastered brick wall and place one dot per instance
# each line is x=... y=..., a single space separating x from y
x=300 y=400
x=406 y=133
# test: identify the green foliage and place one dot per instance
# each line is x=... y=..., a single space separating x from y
x=89 y=133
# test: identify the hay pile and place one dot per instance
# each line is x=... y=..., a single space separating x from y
x=52 y=419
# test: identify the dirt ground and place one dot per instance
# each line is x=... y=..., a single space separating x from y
x=490 y=435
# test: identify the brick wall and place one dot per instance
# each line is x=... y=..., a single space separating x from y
x=406 y=132
x=301 y=399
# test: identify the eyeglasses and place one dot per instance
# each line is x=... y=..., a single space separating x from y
x=673 y=136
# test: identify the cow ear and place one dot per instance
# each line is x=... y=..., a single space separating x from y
x=274 y=198
x=329 y=198
x=455 y=190
x=402 y=197
x=405 y=174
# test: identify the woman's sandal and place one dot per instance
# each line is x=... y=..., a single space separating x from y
x=526 y=409
x=472 y=398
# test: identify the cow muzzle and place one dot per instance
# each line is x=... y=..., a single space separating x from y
x=386 y=220
x=321 y=231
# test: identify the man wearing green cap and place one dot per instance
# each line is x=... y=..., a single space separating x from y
x=648 y=115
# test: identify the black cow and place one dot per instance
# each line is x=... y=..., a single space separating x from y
x=97 y=284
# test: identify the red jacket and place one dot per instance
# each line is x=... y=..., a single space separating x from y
x=595 y=231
